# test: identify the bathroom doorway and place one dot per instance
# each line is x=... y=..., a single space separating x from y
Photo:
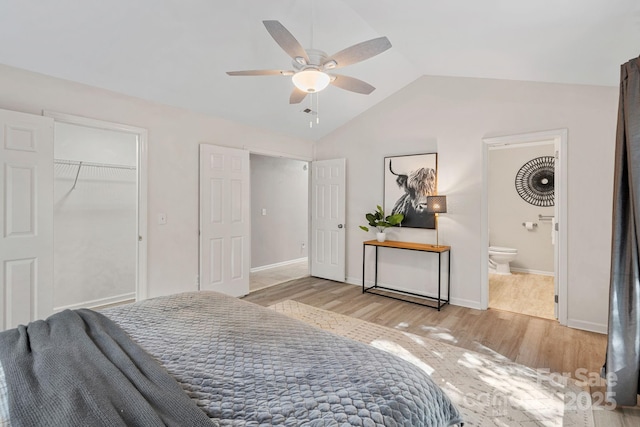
x=523 y=205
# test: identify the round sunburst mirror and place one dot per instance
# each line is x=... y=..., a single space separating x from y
x=535 y=181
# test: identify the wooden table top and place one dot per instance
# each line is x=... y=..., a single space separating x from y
x=408 y=245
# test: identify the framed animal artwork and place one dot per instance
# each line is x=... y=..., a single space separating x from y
x=408 y=180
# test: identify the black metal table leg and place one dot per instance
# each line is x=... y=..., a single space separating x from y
x=364 y=249
x=449 y=277
x=375 y=277
x=439 y=277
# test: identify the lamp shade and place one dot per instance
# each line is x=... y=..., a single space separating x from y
x=311 y=81
x=437 y=204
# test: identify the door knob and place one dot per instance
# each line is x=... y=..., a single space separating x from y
x=339 y=225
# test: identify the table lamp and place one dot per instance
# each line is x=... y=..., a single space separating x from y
x=437 y=205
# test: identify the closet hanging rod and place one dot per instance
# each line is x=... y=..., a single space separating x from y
x=98 y=165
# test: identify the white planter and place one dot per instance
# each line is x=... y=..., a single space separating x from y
x=381 y=236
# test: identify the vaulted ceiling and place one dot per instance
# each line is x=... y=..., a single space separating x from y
x=177 y=52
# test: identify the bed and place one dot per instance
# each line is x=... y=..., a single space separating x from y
x=245 y=365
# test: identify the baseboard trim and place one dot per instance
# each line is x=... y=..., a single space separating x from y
x=278 y=264
x=98 y=302
x=587 y=326
x=530 y=271
x=353 y=281
x=466 y=303
x=454 y=301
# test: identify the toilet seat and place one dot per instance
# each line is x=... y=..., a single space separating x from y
x=503 y=250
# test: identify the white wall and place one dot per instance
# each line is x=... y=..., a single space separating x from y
x=451 y=116
x=82 y=143
x=174 y=136
x=507 y=210
x=280 y=187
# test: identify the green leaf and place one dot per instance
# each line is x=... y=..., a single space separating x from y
x=378 y=220
x=395 y=219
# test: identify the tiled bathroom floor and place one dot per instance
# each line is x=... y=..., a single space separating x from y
x=529 y=294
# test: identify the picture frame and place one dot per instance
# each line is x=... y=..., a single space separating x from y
x=408 y=180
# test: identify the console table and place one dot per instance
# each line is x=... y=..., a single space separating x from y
x=440 y=249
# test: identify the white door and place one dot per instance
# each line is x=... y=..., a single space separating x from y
x=554 y=230
x=328 y=182
x=26 y=215
x=224 y=220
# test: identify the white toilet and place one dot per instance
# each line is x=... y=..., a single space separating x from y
x=499 y=259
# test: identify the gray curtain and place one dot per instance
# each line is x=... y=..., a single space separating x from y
x=623 y=349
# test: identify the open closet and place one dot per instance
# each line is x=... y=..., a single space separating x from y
x=73 y=203
x=95 y=216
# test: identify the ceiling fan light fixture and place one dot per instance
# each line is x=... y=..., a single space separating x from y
x=311 y=81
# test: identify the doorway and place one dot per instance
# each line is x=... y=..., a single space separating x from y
x=99 y=213
x=528 y=219
x=279 y=220
x=520 y=227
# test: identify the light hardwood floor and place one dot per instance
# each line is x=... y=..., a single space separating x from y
x=531 y=341
x=273 y=276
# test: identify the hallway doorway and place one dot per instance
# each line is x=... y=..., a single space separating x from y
x=279 y=220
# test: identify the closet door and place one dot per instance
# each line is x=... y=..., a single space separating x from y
x=26 y=217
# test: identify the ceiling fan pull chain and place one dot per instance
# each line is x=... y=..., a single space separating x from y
x=317 y=108
x=311 y=108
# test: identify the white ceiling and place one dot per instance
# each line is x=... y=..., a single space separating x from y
x=177 y=51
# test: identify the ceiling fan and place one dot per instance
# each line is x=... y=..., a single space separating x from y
x=311 y=66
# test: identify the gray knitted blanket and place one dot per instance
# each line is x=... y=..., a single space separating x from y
x=77 y=368
x=246 y=365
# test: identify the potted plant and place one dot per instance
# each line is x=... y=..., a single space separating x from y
x=381 y=222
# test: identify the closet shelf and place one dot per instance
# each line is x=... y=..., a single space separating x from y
x=93 y=164
x=80 y=164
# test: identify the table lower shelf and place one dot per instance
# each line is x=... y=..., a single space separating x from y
x=396 y=294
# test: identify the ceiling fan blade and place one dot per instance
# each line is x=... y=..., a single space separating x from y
x=260 y=73
x=358 y=52
x=352 y=84
x=287 y=42
x=297 y=96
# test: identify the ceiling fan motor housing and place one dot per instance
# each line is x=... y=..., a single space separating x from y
x=316 y=59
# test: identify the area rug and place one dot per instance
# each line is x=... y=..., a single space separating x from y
x=490 y=390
